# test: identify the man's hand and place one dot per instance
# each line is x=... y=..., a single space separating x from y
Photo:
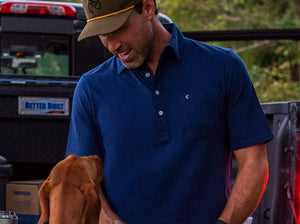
x=107 y=216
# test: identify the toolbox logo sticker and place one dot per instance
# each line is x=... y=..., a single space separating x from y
x=43 y=106
x=24 y=193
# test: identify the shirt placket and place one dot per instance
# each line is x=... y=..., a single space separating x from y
x=159 y=106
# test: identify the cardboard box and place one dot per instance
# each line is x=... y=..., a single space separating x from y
x=22 y=198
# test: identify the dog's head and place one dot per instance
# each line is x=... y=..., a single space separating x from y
x=88 y=168
x=74 y=179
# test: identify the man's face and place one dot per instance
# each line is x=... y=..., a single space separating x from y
x=131 y=43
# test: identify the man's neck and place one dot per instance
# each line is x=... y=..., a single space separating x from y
x=161 y=39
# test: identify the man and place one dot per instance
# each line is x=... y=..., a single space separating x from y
x=165 y=114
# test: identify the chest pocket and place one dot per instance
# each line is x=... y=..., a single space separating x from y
x=200 y=115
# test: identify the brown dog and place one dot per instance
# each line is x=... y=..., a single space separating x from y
x=72 y=193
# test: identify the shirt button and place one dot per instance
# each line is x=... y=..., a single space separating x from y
x=157 y=92
x=147 y=75
x=160 y=113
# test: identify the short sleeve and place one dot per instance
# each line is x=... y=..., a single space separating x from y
x=246 y=121
x=84 y=138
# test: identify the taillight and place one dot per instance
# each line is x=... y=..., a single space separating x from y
x=38 y=8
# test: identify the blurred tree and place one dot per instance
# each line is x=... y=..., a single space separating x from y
x=192 y=15
x=295 y=68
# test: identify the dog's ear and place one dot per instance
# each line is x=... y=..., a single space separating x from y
x=44 y=202
x=95 y=164
x=92 y=205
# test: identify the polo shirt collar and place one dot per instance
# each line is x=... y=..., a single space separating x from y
x=175 y=46
x=176 y=41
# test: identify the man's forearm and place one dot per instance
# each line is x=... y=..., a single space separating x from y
x=246 y=192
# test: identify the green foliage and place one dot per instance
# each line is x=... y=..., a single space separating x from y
x=51 y=65
x=269 y=87
x=192 y=15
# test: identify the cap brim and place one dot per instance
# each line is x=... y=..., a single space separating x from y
x=104 y=25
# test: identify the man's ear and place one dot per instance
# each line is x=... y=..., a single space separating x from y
x=149 y=8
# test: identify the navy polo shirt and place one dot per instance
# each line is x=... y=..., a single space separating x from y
x=166 y=139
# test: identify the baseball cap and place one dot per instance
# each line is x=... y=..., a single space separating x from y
x=105 y=16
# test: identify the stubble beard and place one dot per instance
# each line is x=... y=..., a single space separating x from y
x=139 y=58
x=142 y=50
